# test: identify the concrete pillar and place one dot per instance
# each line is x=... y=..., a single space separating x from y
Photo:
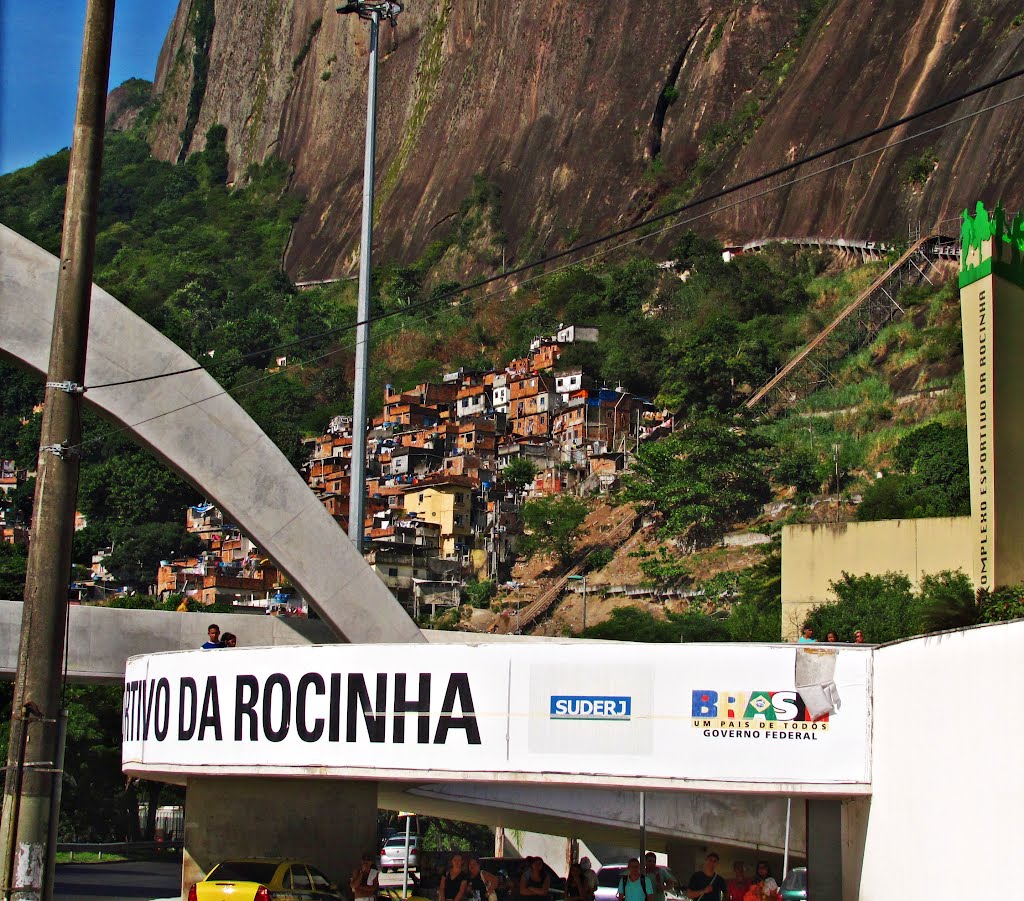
x=685 y=858
x=328 y=822
x=824 y=849
x=855 y=831
x=992 y=312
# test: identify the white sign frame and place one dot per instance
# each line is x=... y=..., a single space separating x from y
x=609 y=714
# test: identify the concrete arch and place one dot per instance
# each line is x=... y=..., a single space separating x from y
x=214 y=444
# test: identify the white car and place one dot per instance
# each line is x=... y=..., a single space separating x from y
x=608 y=879
x=392 y=855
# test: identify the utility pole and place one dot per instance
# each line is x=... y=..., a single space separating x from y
x=34 y=754
x=373 y=11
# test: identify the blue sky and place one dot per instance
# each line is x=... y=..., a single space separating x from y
x=40 y=51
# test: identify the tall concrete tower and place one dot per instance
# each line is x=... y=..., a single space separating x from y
x=992 y=309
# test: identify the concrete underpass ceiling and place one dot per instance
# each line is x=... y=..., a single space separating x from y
x=609 y=816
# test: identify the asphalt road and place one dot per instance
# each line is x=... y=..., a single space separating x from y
x=125 y=881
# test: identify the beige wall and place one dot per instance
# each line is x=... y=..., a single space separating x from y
x=815 y=555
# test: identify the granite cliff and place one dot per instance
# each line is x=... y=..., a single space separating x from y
x=591 y=115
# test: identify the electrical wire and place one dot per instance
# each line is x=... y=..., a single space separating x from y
x=540 y=275
x=609 y=236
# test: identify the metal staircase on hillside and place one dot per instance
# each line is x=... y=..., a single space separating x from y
x=868 y=313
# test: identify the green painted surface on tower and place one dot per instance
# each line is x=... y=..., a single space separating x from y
x=991 y=245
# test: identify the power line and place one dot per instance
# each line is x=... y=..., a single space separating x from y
x=537 y=276
x=610 y=236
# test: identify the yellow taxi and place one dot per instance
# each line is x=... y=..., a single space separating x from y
x=265 y=880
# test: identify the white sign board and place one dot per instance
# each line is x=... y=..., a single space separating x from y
x=625 y=714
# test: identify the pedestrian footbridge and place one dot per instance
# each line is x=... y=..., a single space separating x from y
x=886 y=751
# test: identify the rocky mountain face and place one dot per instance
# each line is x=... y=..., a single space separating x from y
x=591 y=115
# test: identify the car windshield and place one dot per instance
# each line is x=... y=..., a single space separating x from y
x=400 y=842
x=797 y=879
x=607 y=877
x=243 y=871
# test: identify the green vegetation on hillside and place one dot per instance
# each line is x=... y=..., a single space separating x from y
x=887 y=608
x=553 y=525
x=201 y=260
x=700 y=480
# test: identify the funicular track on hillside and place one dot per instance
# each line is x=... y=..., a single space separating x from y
x=874 y=307
x=550 y=595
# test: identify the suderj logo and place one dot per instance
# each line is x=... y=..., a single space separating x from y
x=591 y=707
x=754 y=714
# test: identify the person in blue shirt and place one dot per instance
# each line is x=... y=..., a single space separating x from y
x=635 y=886
x=213 y=633
x=807 y=637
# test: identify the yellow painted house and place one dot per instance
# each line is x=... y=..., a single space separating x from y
x=447 y=502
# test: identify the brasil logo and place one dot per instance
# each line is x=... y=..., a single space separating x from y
x=754 y=714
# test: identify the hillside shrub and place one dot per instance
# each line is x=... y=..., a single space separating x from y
x=918 y=169
x=478 y=593
x=931 y=477
x=600 y=558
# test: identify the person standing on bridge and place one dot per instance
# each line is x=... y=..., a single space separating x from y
x=738 y=886
x=482 y=885
x=213 y=637
x=576 y=888
x=589 y=877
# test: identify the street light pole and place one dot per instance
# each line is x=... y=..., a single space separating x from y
x=373 y=11
x=582 y=579
x=584 y=602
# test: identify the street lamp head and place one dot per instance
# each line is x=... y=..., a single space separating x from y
x=367 y=9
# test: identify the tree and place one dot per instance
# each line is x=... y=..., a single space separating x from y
x=700 y=481
x=798 y=467
x=478 y=593
x=931 y=478
x=13 y=562
x=883 y=607
x=97 y=805
x=1002 y=604
x=138 y=550
x=710 y=365
x=947 y=601
x=757 y=607
x=632 y=624
x=553 y=524
x=694 y=249
x=518 y=474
